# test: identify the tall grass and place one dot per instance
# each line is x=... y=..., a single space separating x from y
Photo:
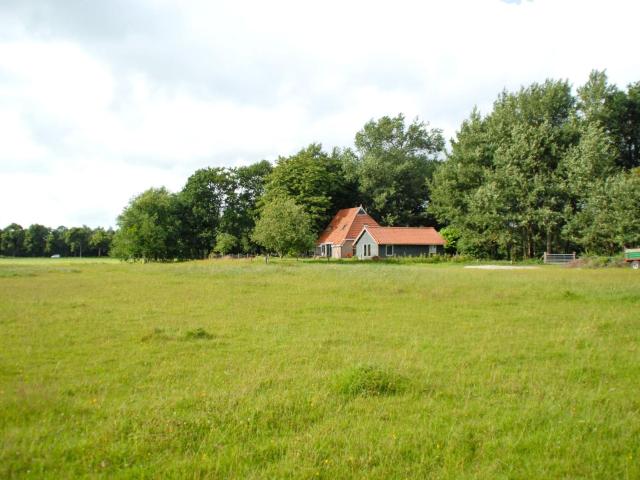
x=241 y=369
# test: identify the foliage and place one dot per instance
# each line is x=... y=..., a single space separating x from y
x=314 y=180
x=607 y=222
x=517 y=180
x=220 y=200
x=544 y=170
x=394 y=161
x=35 y=240
x=225 y=243
x=78 y=238
x=451 y=236
x=100 y=240
x=284 y=227
x=202 y=202
x=13 y=240
x=148 y=227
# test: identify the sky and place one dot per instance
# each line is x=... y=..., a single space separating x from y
x=100 y=100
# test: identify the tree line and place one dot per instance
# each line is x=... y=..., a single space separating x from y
x=40 y=241
x=547 y=169
x=282 y=208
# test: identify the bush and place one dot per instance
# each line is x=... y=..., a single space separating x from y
x=595 y=261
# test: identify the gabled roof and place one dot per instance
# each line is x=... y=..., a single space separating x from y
x=404 y=235
x=346 y=225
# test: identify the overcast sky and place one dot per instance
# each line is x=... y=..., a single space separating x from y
x=100 y=100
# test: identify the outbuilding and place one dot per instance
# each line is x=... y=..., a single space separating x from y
x=376 y=241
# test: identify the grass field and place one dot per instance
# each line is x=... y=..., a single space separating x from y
x=237 y=369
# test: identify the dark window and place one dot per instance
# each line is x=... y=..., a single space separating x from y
x=389 y=250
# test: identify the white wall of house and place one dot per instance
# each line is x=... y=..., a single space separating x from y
x=366 y=246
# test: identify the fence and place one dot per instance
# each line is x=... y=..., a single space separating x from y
x=559 y=258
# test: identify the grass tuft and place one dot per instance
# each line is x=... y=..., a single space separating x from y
x=156 y=334
x=370 y=380
x=198 y=334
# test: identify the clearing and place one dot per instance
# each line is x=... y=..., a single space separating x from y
x=317 y=370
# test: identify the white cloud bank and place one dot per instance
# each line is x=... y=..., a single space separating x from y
x=101 y=100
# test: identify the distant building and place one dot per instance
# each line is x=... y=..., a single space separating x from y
x=337 y=239
x=352 y=232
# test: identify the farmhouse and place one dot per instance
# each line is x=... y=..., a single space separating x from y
x=352 y=231
x=337 y=239
x=398 y=242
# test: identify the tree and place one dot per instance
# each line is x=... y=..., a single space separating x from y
x=13 y=240
x=392 y=167
x=617 y=112
x=502 y=185
x=225 y=243
x=77 y=239
x=314 y=180
x=607 y=223
x=148 y=227
x=284 y=227
x=202 y=203
x=241 y=210
x=451 y=236
x=35 y=240
x=56 y=243
x=100 y=240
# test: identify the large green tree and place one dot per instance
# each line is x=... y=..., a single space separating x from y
x=77 y=239
x=617 y=112
x=13 y=241
x=35 y=240
x=202 y=203
x=241 y=206
x=56 y=243
x=606 y=222
x=148 y=227
x=315 y=181
x=392 y=166
x=503 y=184
x=284 y=227
x=100 y=241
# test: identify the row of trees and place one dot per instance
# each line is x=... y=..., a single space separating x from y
x=283 y=208
x=39 y=241
x=545 y=171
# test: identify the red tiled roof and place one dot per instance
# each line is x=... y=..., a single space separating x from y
x=406 y=235
x=346 y=224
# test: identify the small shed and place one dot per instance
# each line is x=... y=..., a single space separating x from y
x=375 y=241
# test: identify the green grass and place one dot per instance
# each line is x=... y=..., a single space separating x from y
x=237 y=369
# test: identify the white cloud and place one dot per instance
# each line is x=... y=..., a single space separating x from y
x=98 y=104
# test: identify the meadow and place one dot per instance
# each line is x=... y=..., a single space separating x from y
x=241 y=369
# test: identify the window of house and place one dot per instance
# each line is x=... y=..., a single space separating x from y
x=433 y=249
x=322 y=250
x=389 y=251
